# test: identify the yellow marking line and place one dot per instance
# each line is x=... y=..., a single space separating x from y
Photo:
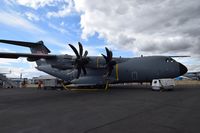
x=65 y=87
x=117 y=71
x=76 y=89
x=107 y=85
x=87 y=90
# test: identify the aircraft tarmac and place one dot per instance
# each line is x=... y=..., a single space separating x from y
x=124 y=109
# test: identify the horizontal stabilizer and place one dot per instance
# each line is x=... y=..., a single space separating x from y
x=37 y=45
x=19 y=43
x=31 y=57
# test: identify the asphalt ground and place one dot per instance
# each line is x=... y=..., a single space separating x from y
x=122 y=109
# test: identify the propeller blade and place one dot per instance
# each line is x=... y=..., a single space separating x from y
x=80 y=49
x=109 y=71
x=111 y=55
x=75 y=51
x=84 y=70
x=85 y=54
x=109 y=62
x=108 y=53
x=79 y=72
x=81 y=60
x=112 y=63
x=105 y=57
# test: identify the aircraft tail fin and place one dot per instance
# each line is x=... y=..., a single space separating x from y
x=37 y=47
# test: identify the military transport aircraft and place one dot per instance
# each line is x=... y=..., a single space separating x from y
x=83 y=70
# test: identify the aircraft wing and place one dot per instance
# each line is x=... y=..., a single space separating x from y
x=30 y=56
x=179 y=56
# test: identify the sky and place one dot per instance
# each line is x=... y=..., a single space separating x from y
x=129 y=28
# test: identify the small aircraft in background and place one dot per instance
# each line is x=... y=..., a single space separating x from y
x=192 y=75
x=84 y=70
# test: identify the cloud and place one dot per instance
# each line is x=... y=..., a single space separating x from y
x=7 y=50
x=14 y=19
x=54 y=8
x=150 y=27
x=66 y=10
x=7 y=61
x=9 y=2
x=35 y=4
x=14 y=72
x=58 y=28
x=17 y=21
x=32 y=16
x=28 y=70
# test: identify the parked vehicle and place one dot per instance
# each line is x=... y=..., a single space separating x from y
x=163 y=84
x=48 y=82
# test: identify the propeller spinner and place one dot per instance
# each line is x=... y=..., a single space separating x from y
x=109 y=62
x=81 y=60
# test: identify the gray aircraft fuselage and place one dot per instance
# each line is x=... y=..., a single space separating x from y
x=138 y=69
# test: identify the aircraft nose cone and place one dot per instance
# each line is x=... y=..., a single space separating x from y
x=183 y=69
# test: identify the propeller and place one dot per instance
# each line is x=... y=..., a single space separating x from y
x=109 y=62
x=81 y=60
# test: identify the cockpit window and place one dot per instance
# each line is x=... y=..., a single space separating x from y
x=170 y=60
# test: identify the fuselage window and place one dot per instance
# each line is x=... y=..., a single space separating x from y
x=170 y=60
